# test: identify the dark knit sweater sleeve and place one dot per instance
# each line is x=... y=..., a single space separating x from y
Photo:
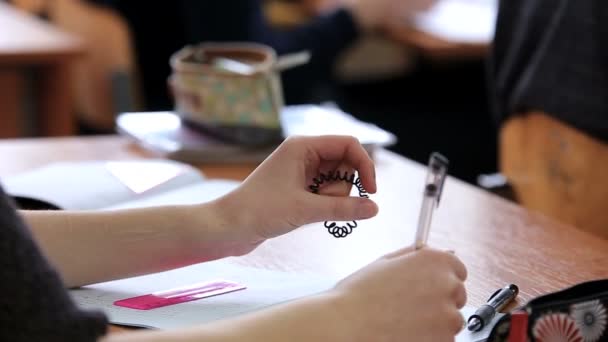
x=551 y=55
x=34 y=304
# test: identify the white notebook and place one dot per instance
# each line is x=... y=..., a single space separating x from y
x=115 y=184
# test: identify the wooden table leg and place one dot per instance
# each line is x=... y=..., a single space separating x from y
x=56 y=105
x=11 y=95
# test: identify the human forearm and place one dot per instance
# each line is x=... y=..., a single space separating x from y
x=310 y=319
x=94 y=246
x=88 y=247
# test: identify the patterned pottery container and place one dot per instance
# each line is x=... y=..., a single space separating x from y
x=236 y=105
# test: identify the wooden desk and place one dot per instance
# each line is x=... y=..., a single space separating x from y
x=499 y=242
x=27 y=43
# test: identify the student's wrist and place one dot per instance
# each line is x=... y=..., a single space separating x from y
x=332 y=317
x=234 y=217
x=313 y=318
x=221 y=222
x=191 y=223
x=203 y=226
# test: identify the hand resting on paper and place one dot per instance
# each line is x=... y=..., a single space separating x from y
x=406 y=295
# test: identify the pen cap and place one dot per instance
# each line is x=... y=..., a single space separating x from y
x=513 y=288
x=438 y=162
x=438 y=170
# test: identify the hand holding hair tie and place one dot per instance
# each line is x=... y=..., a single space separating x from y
x=276 y=198
x=339 y=231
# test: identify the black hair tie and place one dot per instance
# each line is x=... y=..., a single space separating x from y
x=339 y=231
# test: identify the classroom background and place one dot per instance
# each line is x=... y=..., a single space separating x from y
x=68 y=67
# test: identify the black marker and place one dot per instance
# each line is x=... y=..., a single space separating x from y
x=497 y=302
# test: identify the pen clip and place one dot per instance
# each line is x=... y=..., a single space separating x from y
x=494 y=295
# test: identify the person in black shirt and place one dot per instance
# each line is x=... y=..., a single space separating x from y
x=552 y=56
x=391 y=298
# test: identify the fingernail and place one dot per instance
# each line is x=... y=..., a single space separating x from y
x=367 y=209
x=375 y=181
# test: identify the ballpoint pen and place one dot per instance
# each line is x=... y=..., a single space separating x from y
x=437 y=172
x=495 y=303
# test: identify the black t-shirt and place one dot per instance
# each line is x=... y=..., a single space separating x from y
x=162 y=27
x=34 y=304
x=552 y=55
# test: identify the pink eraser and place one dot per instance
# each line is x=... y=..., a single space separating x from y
x=180 y=295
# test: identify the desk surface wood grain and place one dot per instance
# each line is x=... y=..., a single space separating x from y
x=499 y=242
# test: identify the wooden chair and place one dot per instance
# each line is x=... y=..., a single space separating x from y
x=557 y=170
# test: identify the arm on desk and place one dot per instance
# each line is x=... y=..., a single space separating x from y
x=90 y=247
x=96 y=246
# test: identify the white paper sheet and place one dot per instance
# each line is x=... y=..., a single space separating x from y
x=309 y=120
x=100 y=184
x=460 y=21
x=264 y=288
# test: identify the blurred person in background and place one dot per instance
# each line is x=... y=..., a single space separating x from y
x=552 y=56
x=160 y=28
x=549 y=72
x=434 y=107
